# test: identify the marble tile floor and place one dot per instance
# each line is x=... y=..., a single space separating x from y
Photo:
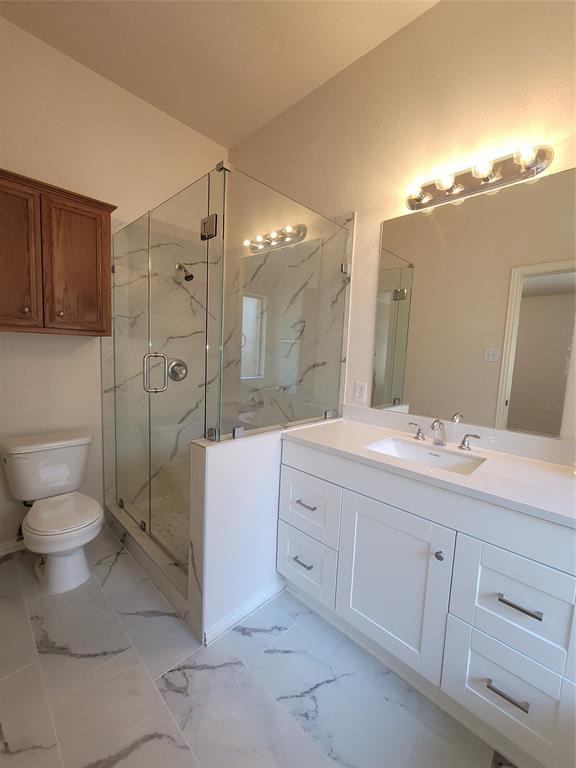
x=107 y=675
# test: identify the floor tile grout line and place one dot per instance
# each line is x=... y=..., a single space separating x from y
x=157 y=692
x=42 y=678
x=20 y=669
x=275 y=703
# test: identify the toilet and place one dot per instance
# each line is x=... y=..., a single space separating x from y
x=47 y=469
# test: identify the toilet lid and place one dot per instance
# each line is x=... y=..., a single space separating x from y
x=60 y=514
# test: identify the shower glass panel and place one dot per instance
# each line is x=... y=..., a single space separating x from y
x=131 y=320
x=284 y=309
x=177 y=330
x=212 y=334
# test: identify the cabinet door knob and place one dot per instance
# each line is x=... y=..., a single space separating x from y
x=60 y=313
x=25 y=310
x=439 y=555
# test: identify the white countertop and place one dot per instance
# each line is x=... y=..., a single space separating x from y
x=537 y=488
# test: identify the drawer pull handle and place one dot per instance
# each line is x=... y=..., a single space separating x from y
x=523 y=705
x=538 y=615
x=306 y=506
x=301 y=564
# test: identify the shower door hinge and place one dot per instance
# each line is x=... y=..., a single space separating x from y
x=211 y=434
x=143 y=525
x=345 y=268
x=400 y=294
x=113 y=269
x=209 y=227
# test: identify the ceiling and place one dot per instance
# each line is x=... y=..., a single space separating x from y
x=549 y=285
x=223 y=68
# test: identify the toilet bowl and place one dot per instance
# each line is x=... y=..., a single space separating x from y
x=47 y=469
x=58 y=528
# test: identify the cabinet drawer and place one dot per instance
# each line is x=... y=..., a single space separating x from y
x=524 y=604
x=521 y=699
x=311 y=505
x=307 y=563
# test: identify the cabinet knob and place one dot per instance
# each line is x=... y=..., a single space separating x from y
x=439 y=555
x=25 y=310
x=60 y=313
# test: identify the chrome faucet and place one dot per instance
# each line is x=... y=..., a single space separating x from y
x=457 y=417
x=439 y=432
x=420 y=433
x=465 y=444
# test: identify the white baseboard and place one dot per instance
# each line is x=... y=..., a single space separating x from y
x=11 y=546
x=215 y=632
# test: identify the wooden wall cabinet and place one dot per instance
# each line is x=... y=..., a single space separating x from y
x=55 y=259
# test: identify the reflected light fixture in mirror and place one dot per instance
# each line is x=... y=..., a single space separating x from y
x=288 y=235
x=485 y=176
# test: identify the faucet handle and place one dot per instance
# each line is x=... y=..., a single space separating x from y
x=465 y=444
x=457 y=417
x=420 y=433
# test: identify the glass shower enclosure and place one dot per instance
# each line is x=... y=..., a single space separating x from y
x=229 y=313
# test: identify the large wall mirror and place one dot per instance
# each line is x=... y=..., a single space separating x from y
x=476 y=309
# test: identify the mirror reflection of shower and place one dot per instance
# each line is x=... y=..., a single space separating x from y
x=182 y=268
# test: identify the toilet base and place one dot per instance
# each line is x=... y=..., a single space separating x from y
x=62 y=571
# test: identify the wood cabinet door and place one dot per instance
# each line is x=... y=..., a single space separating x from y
x=20 y=257
x=77 y=266
x=394 y=574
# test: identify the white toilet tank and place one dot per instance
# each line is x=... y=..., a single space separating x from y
x=43 y=465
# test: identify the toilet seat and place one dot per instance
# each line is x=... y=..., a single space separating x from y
x=66 y=513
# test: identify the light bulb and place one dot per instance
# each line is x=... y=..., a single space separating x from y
x=274 y=242
x=259 y=238
x=525 y=156
x=260 y=247
x=287 y=239
x=445 y=182
x=288 y=229
x=273 y=235
x=246 y=242
x=483 y=169
x=414 y=191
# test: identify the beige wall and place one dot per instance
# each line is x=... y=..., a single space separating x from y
x=464 y=78
x=541 y=363
x=62 y=123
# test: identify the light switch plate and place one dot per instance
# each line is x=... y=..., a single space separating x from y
x=491 y=354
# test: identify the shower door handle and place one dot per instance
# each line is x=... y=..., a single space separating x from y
x=146 y=372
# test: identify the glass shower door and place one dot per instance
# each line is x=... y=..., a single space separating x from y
x=160 y=329
x=178 y=307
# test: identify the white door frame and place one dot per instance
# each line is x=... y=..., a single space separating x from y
x=519 y=275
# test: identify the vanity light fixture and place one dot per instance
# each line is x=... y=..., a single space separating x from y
x=277 y=238
x=485 y=176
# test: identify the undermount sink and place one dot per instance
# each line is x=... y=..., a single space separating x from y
x=427 y=454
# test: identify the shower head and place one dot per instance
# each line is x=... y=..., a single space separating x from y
x=187 y=275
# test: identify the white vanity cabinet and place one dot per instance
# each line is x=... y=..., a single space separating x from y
x=394 y=576
x=478 y=598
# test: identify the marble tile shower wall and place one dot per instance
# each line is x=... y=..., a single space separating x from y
x=303 y=305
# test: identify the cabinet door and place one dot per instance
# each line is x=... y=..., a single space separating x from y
x=20 y=259
x=77 y=267
x=394 y=574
